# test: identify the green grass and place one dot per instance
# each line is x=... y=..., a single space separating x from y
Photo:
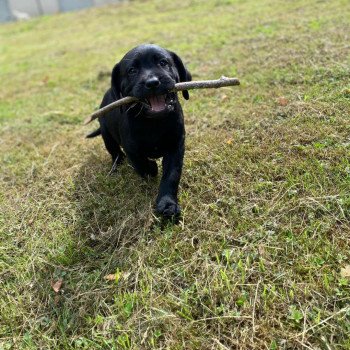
x=255 y=262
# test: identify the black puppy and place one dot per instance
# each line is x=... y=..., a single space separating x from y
x=153 y=127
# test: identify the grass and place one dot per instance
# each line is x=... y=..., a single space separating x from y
x=256 y=261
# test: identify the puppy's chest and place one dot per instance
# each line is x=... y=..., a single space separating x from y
x=153 y=138
x=154 y=145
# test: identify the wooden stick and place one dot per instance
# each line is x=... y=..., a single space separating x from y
x=188 y=85
x=100 y=112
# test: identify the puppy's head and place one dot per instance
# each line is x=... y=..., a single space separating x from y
x=149 y=72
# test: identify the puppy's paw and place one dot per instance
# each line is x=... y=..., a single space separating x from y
x=168 y=207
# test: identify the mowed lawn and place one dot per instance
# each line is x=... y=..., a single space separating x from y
x=261 y=256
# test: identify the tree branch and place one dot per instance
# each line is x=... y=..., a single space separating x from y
x=188 y=85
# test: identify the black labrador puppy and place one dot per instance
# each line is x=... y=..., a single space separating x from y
x=153 y=127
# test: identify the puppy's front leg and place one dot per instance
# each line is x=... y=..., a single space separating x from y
x=167 y=204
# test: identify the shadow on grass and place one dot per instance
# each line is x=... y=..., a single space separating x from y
x=113 y=210
x=113 y=222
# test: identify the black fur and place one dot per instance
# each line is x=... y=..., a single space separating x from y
x=146 y=131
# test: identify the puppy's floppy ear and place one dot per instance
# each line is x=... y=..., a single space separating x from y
x=184 y=74
x=115 y=82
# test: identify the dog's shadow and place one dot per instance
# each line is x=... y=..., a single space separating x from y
x=113 y=209
x=113 y=216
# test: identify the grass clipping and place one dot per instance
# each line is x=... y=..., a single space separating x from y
x=188 y=85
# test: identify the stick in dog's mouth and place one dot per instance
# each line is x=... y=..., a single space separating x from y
x=204 y=84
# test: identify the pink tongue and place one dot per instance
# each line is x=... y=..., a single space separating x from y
x=157 y=102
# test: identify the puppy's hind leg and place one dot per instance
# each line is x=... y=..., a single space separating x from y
x=143 y=166
x=113 y=148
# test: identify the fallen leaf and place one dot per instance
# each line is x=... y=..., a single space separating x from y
x=229 y=141
x=345 y=272
x=224 y=98
x=56 y=286
x=282 y=101
x=117 y=276
x=110 y=277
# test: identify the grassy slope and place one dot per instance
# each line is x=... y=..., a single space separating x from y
x=256 y=261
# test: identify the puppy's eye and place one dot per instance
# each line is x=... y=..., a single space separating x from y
x=132 y=71
x=163 y=62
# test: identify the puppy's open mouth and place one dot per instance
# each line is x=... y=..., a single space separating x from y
x=159 y=103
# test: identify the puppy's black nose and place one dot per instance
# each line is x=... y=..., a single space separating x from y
x=152 y=83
